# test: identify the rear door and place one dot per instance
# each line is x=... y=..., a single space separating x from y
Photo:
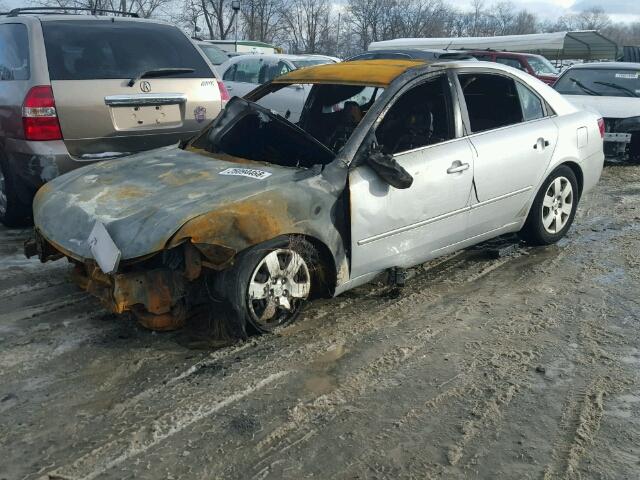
x=104 y=108
x=514 y=136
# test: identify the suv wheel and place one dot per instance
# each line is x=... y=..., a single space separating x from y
x=13 y=213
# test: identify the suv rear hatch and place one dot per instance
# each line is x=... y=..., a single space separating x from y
x=104 y=107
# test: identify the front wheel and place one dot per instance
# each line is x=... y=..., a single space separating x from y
x=553 y=209
x=271 y=283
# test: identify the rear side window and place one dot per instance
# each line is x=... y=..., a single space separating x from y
x=14 y=52
x=271 y=70
x=246 y=71
x=79 y=50
x=492 y=101
x=531 y=104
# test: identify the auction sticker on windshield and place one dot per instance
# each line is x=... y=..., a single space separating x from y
x=627 y=75
x=246 y=172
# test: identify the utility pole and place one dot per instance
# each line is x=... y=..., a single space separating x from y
x=235 y=5
x=338 y=36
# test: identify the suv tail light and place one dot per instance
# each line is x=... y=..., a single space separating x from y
x=39 y=116
x=224 y=93
x=601 y=126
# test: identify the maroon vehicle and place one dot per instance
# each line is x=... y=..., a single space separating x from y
x=535 y=65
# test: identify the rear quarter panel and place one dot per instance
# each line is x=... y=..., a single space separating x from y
x=589 y=155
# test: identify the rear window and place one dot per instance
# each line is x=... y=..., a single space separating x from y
x=78 y=50
x=14 y=52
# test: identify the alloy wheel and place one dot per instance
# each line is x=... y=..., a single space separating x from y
x=557 y=205
x=278 y=287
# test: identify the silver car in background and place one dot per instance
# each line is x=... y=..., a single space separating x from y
x=392 y=163
x=246 y=72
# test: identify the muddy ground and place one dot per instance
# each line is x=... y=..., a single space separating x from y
x=520 y=367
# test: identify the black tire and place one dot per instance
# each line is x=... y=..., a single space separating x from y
x=13 y=212
x=634 y=148
x=237 y=280
x=534 y=230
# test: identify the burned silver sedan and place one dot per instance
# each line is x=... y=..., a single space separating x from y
x=391 y=163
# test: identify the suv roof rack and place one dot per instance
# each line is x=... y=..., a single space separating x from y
x=63 y=10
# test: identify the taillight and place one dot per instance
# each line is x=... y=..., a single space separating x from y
x=224 y=93
x=39 y=116
x=601 y=126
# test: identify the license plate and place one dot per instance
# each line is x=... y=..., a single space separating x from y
x=104 y=250
x=146 y=117
x=617 y=137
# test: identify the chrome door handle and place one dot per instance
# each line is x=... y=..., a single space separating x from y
x=541 y=141
x=457 y=167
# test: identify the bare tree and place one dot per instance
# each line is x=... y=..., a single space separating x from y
x=218 y=17
x=262 y=19
x=307 y=22
x=593 y=19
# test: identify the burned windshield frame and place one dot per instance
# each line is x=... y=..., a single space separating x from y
x=246 y=130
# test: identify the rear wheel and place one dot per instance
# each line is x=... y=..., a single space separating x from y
x=271 y=283
x=13 y=212
x=553 y=209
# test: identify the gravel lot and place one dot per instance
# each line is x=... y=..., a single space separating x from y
x=526 y=366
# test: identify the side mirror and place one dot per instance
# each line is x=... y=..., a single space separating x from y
x=388 y=169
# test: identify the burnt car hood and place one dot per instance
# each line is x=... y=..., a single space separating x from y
x=142 y=200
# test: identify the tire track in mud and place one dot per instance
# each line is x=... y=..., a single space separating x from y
x=301 y=425
x=506 y=387
x=485 y=398
x=160 y=431
x=584 y=404
x=182 y=412
x=345 y=306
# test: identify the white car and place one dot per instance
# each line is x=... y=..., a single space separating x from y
x=611 y=90
x=246 y=72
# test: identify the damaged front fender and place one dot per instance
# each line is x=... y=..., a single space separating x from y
x=227 y=230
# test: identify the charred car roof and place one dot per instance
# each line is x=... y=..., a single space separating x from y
x=374 y=73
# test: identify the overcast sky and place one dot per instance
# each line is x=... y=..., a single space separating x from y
x=619 y=10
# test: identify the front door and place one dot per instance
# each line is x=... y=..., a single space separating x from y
x=392 y=227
